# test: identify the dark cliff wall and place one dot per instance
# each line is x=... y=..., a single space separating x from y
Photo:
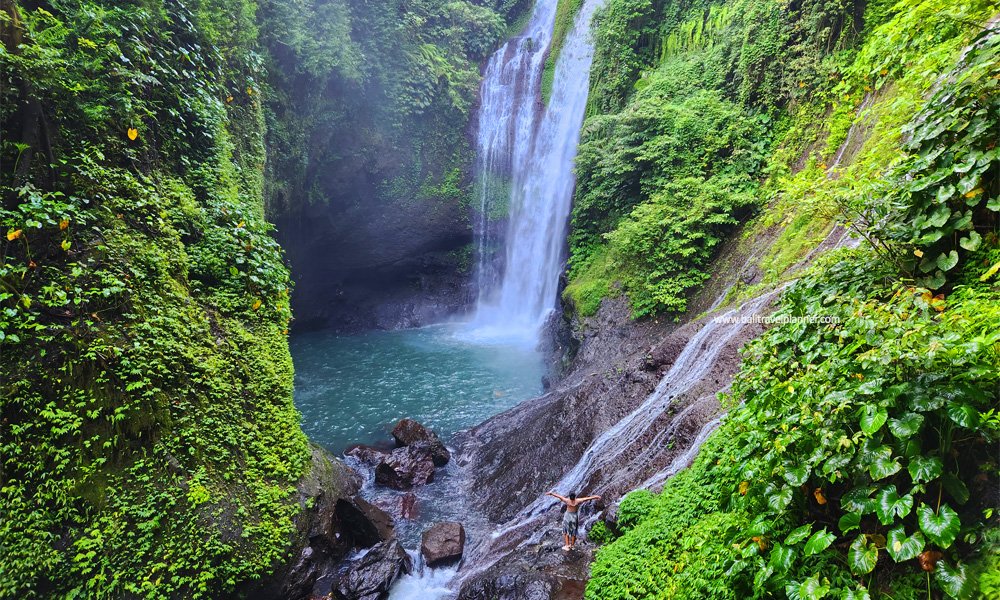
x=369 y=154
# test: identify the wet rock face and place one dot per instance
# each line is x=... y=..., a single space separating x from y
x=369 y=265
x=365 y=523
x=333 y=521
x=538 y=572
x=405 y=468
x=443 y=543
x=411 y=433
x=371 y=576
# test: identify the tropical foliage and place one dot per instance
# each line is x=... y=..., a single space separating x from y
x=148 y=439
x=859 y=457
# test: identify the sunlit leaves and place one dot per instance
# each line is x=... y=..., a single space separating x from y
x=872 y=419
x=902 y=547
x=889 y=505
x=942 y=527
x=925 y=468
x=798 y=534
x=862 y=555
x=818 y=542
x=955 y=580
x=906 y=426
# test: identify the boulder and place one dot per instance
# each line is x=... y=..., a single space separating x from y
x=411 y=433
x=443 y=543
x=326 y=532
x=371 y=576
x=366 y=455
x=364 y=523
x=405 y=468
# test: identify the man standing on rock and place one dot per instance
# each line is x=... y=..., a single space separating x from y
x=571 y=520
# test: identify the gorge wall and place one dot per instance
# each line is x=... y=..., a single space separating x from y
x=370 y=161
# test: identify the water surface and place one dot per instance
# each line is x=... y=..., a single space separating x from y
x=353 y=389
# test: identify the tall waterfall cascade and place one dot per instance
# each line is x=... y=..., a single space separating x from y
x=525 y=155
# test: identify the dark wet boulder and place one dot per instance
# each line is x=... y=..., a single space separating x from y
x=371 y=576
x=411 y=433
x=443 y=543
x=332 y=523
x=366 y=455
x=405 y=468
x=364 y=523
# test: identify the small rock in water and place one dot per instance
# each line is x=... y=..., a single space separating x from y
x=405 y=468
x=374 y=573
x=411 y=433
x=443 y=543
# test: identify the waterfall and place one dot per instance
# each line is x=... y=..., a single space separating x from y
x=525 y=164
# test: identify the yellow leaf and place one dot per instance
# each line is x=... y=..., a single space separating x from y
x=973 y=193
x=240 y=226
x=63 y=224
x=257 y=303
x=133 y=133
x=820 y=498
x=744 y=486
x=65 y=245
x=884 y=72
x=791 y=389
x=802 y=84
x=918 y=253
x=990 y=273
x=13 y=235
x=229 y=99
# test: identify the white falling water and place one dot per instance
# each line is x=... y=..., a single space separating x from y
x=529 y=156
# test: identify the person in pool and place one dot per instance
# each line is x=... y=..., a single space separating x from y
x=571 y=519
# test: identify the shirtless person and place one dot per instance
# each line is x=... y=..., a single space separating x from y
x=571 y=520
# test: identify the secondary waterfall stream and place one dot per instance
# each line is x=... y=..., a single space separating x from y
x=525 y=164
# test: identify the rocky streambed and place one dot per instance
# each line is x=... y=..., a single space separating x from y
x=472 y=521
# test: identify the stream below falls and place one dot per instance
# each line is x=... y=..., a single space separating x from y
x=354 y=389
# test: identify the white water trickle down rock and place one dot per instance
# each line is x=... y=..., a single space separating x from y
x=532 y=155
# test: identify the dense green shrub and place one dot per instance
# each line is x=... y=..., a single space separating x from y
x=148 y=439
x=859 y=458
x=689 y=90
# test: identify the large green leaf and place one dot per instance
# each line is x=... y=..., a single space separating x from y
x=859 y=500
x=798 y=534
x=925 y=468
x=796 y=475
x=780 y=499
x=862 y=555
x=900 y=547
x=941 y=527
x=963 y=414
x=883 y=466
x=906 y=426
x=872 y=419
x=860 y=594
x=971 y=242
x=819 y=542
x=813 y=589
x=889 y=505
x=849 y=521
x=955 y=580
x=955 y=487
x=781 y=558
x=946 y=262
